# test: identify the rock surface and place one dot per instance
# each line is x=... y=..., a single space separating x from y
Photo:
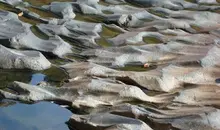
x=138 y=64
x=20 y=36
x=14 y=59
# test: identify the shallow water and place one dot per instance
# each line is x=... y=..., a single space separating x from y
x=8 y=76
x=40 y=116
x=55 y=76
x=37 y=78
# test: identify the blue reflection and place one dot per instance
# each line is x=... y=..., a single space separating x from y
x=39 y=116
x=37 y=78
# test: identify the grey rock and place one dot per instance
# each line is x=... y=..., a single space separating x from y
x=14 y=59
x=105 y=121
x=84 y=32
x=10 y=25
x=20 y=36
x=28 y=40
x=133 y=83
x=11 y=2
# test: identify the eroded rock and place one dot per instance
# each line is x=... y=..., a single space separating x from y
x=161 y=67
x=105 y=121
x=21 y=37
x=14 y=59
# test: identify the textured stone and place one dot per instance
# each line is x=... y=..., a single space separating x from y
x=14 y=59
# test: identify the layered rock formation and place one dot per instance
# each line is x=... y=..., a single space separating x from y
x=138 y=64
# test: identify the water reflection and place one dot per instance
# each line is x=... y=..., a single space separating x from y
x=55 y=76
x=8 y=76
x=39 y=116
x=37 y=78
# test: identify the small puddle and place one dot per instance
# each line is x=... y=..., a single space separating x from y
x=40 y=116
x=8 y=76
x=44 y=2
x=89 y=18
x=137 y=68
x=106 y=33
x=37 y=78
x=54 y=76
x=152 y=40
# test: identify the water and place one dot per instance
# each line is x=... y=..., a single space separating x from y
x=37 y=78
x=40 y=116
x=8 y=76
x=217 y=81
x=55 y=76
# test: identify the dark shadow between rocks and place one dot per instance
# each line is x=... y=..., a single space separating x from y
x=5 y=42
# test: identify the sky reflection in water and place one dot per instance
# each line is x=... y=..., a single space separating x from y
x=39 y=116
